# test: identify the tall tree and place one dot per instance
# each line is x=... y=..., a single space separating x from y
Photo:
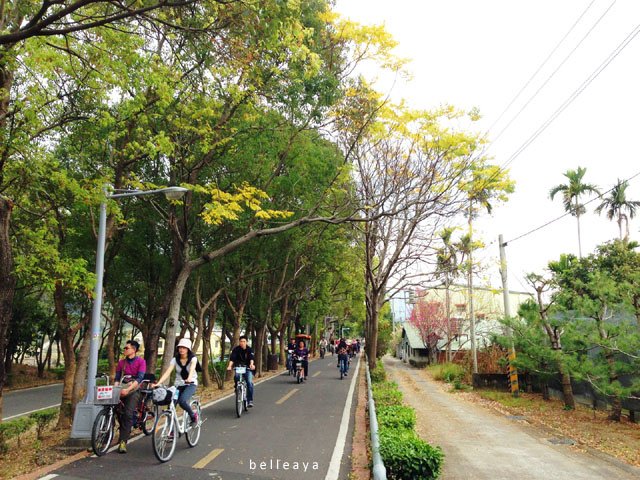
x=485 y=184
x=571 y=193
x=617 y=206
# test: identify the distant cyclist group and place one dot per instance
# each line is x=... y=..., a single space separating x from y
x=136 y=396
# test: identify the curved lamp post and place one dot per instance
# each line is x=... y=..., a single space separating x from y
x=86 y=411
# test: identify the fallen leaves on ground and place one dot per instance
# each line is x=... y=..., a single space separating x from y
x=584 y=425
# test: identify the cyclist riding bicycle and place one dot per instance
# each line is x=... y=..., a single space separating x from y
x=343 y=357
x=291 y=346
x=186 y=381
x=302 y=353
x=242 y=356
x=130 y=370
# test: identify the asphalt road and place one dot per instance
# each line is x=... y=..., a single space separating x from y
x=293 y=432
x=21 y=402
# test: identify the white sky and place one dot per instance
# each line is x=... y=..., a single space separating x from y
x=481 y=53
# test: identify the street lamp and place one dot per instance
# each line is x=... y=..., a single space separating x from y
x=86 y=411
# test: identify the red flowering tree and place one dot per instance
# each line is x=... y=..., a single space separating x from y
x=430 y=319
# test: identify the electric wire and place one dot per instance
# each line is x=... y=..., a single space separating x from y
x=538 y=69
x=621 y=46
x=550 y=77
x=546 y=224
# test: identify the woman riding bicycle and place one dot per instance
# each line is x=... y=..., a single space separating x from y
x=185 y=364
x=302 y=353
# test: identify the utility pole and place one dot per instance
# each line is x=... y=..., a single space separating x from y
x=472 y=320
x=513 y=372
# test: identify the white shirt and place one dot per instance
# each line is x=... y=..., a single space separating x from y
x=179 y=382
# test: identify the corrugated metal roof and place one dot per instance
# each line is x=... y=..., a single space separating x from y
x=413 y=336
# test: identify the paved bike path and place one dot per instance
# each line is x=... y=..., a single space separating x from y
x=291 y=433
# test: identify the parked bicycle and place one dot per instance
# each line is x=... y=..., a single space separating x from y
x=169 y=427
x=241 y=390
x=104 y=424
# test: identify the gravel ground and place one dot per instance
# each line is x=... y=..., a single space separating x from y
x=482 y=444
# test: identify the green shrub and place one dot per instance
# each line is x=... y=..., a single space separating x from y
x=13 y=429
x=43 y=418
x=396 y=417
x=386 y=393
x=378 y=374
x=407 y=457
x=58 y=372
x=447 y=372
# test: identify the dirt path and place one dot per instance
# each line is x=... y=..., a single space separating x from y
x=482 y=444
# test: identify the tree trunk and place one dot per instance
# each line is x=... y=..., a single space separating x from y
x=80 y=377
x=66 y=404
x=111 y=344
x=7 y=279
x=206 y=345
x=567 y=390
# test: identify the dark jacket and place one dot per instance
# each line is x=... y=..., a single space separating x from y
x=240 y=357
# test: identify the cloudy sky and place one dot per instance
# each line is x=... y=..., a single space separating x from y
x=471 y=53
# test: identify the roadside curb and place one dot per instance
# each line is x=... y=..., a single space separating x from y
x=360 y=446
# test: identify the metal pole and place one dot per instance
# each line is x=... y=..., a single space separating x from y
x=96 y=313
x=85 y=411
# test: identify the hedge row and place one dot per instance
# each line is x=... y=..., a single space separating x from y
x=15 y=428
x=405 y=455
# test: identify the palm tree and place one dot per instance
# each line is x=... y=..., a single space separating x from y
x=571 y=194
x=448 y=267
x=616 y=203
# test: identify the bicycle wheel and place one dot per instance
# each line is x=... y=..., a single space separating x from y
x=239 y=400
x=102 y=431
x=298 y=376
x=150 y=417
x=164 y=437
x=193 y=433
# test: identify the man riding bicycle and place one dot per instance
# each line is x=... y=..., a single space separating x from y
x=131 y=370
x=242 y=356
x=343 y=357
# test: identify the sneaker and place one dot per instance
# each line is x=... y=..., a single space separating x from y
x=194 y=420
x=250 y=404
x=122 y=448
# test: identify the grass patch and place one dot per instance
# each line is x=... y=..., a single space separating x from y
x=447 y=372
x=508 y=400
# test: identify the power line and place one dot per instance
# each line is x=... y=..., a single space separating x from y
x=539 y=68
x=568 y=213
x=621 y=46
x=548 y=79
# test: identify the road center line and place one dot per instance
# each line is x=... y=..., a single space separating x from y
x=316 y=374
x=286 y=397
x=209 y=458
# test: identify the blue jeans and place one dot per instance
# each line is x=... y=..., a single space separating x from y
x=186 y=392
x=343 y=362
x=248 y=376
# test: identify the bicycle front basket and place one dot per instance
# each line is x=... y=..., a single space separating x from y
x=162 y=395
x=107 y=395
x=241 y=370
